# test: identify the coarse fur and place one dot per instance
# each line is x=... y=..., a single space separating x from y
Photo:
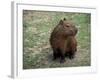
x=63 y=41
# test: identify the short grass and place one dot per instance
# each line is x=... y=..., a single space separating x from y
x=37 y=27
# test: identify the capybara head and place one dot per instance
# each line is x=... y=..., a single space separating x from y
x=69 y=27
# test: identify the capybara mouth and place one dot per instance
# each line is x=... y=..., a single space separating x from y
x=71 y=33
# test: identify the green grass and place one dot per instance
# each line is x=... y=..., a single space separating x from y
x=37 y=26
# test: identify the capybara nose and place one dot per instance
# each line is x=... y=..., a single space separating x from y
x=71 y=31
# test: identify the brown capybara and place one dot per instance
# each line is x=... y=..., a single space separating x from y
x=63 y=41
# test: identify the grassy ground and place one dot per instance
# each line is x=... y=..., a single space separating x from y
x=37 y=27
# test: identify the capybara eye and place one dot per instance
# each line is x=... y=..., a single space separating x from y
x=67 y=26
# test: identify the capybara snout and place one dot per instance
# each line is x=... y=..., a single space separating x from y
x=63 y=41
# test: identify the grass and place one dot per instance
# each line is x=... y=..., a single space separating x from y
x=37 y=26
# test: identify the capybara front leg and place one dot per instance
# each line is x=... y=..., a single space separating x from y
x=62 y=58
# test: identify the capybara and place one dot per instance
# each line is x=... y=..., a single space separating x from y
x=63 y=41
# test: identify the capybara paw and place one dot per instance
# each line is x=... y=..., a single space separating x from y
x=62 y=60
x=71 y=57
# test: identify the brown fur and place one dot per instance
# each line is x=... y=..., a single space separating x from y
x=63 y=41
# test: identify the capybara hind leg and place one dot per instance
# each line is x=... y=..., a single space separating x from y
x=67 y=54
x=54 y=54
x=71 y=55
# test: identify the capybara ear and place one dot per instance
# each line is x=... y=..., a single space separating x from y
x=64 y=19
x=61 y=22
